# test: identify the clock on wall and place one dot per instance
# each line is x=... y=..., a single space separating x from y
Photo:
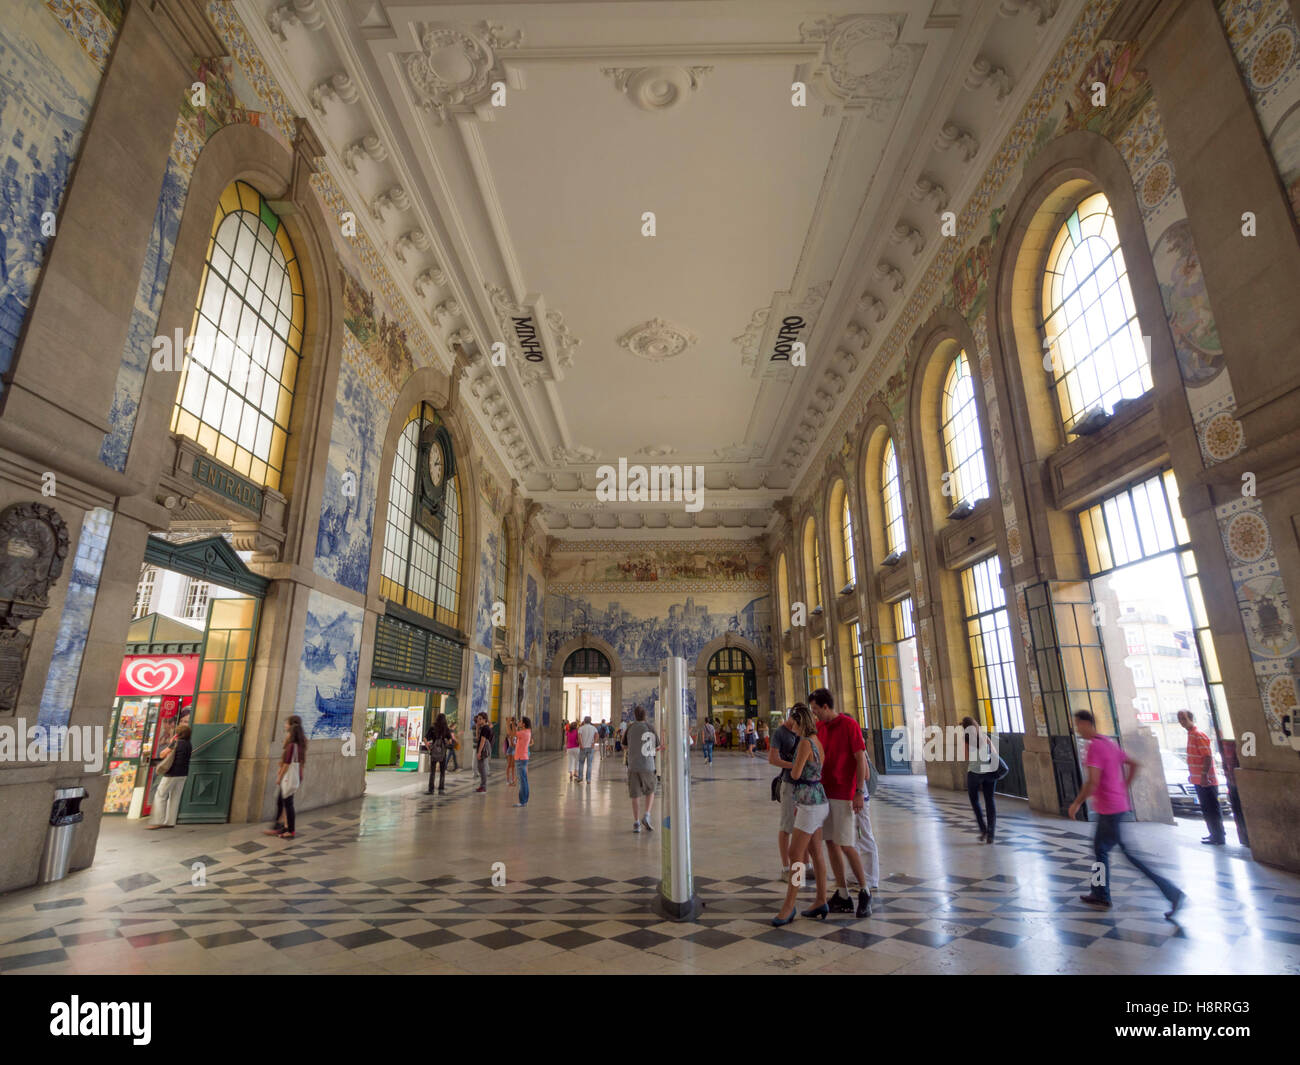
x=436 y=466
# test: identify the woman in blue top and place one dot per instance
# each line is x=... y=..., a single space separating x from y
x=810 y=812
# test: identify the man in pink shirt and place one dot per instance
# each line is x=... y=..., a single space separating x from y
x=1107 y=785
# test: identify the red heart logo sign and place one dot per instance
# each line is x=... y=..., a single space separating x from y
x=155 y=675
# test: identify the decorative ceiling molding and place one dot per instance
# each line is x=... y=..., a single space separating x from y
x=985 y=72
x=553 y=337
x=656 y=88
x=955 y=136
x=370 y=146
x=657 y=340
x=455 y=69
x=862 y=67
x=304 y=13
x=751 y=341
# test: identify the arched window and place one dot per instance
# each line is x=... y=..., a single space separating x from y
x=892 y=491
x=812 y=565
x=236 y=387
x=586 y=662
x=963 y=449
x=1090 y=325
x=846 y=526
x=420 y=567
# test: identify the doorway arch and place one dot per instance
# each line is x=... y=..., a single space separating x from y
x=590 y=645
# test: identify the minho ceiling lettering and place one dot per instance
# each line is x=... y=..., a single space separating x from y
x=507 y=157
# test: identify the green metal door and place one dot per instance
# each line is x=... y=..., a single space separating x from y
x=217 y=718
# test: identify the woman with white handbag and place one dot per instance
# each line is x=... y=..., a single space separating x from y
x=289 y=777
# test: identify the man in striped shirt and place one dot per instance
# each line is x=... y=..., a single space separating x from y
x=1201 y=775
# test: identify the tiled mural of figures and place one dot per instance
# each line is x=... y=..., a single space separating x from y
x=346 y=530
x=487 y=576
x=532 y=618
x=144 y=317
x=646 y=628
x=1266 y=42
x=480 y=687
x=48 y=79
x=74 y=621
x=643 y=692
x=327 y=677
x=658 y=565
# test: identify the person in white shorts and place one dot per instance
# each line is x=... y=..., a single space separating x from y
x=844 y=776
x=811 y=810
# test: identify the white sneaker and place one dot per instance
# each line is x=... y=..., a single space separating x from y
x=785 y=875
x=645 y=820
x=636 y=826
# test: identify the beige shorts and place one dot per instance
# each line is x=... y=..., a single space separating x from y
x=842 y=824
x=810 y=818
x=787 y=806
x=640 y=782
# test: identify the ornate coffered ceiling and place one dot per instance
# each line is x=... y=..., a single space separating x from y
x=648 y=205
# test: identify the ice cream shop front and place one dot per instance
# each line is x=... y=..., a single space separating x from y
x=187 y=661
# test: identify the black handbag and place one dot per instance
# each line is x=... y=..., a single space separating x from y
x=776 y=788
x=1003 y=768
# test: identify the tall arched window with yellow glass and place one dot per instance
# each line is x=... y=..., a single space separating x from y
x=966 y=480
x=812 y=565
x=236 y=390
x=420 y=565
x=846 y=529
x=1090 y=327
x=891 y=489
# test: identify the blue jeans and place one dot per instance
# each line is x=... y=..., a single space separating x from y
x=708 y=751
x=521 y=768
x=1107 y=837
x=586 y=755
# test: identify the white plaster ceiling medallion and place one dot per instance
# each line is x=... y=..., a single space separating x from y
x=455 y=69
x=657 y=340
x=862 y=65
x=656 y=88
x=658 y=451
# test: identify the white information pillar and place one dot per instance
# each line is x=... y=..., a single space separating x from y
x=676 y=899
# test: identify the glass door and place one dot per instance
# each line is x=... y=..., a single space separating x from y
x=218 y=716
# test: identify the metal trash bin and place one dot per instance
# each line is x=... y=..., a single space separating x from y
x=65 y=815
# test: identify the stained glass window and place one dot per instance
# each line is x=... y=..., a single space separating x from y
x=963 y=448
x=236 y=388
x=1090 y=325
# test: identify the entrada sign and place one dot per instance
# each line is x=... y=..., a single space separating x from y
x=526 y=331
x=223 y=481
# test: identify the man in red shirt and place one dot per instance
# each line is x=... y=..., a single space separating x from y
x=1201 y=775
x=844 y=779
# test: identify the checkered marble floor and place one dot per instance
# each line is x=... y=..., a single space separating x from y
x=404 y=882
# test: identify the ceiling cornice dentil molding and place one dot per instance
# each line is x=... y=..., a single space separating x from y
x=657 y=88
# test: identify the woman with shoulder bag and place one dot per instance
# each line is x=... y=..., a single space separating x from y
x=438 y=742
x=173 y=769
x=289 y=778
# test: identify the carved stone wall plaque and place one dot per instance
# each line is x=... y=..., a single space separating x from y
x=33 y=547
